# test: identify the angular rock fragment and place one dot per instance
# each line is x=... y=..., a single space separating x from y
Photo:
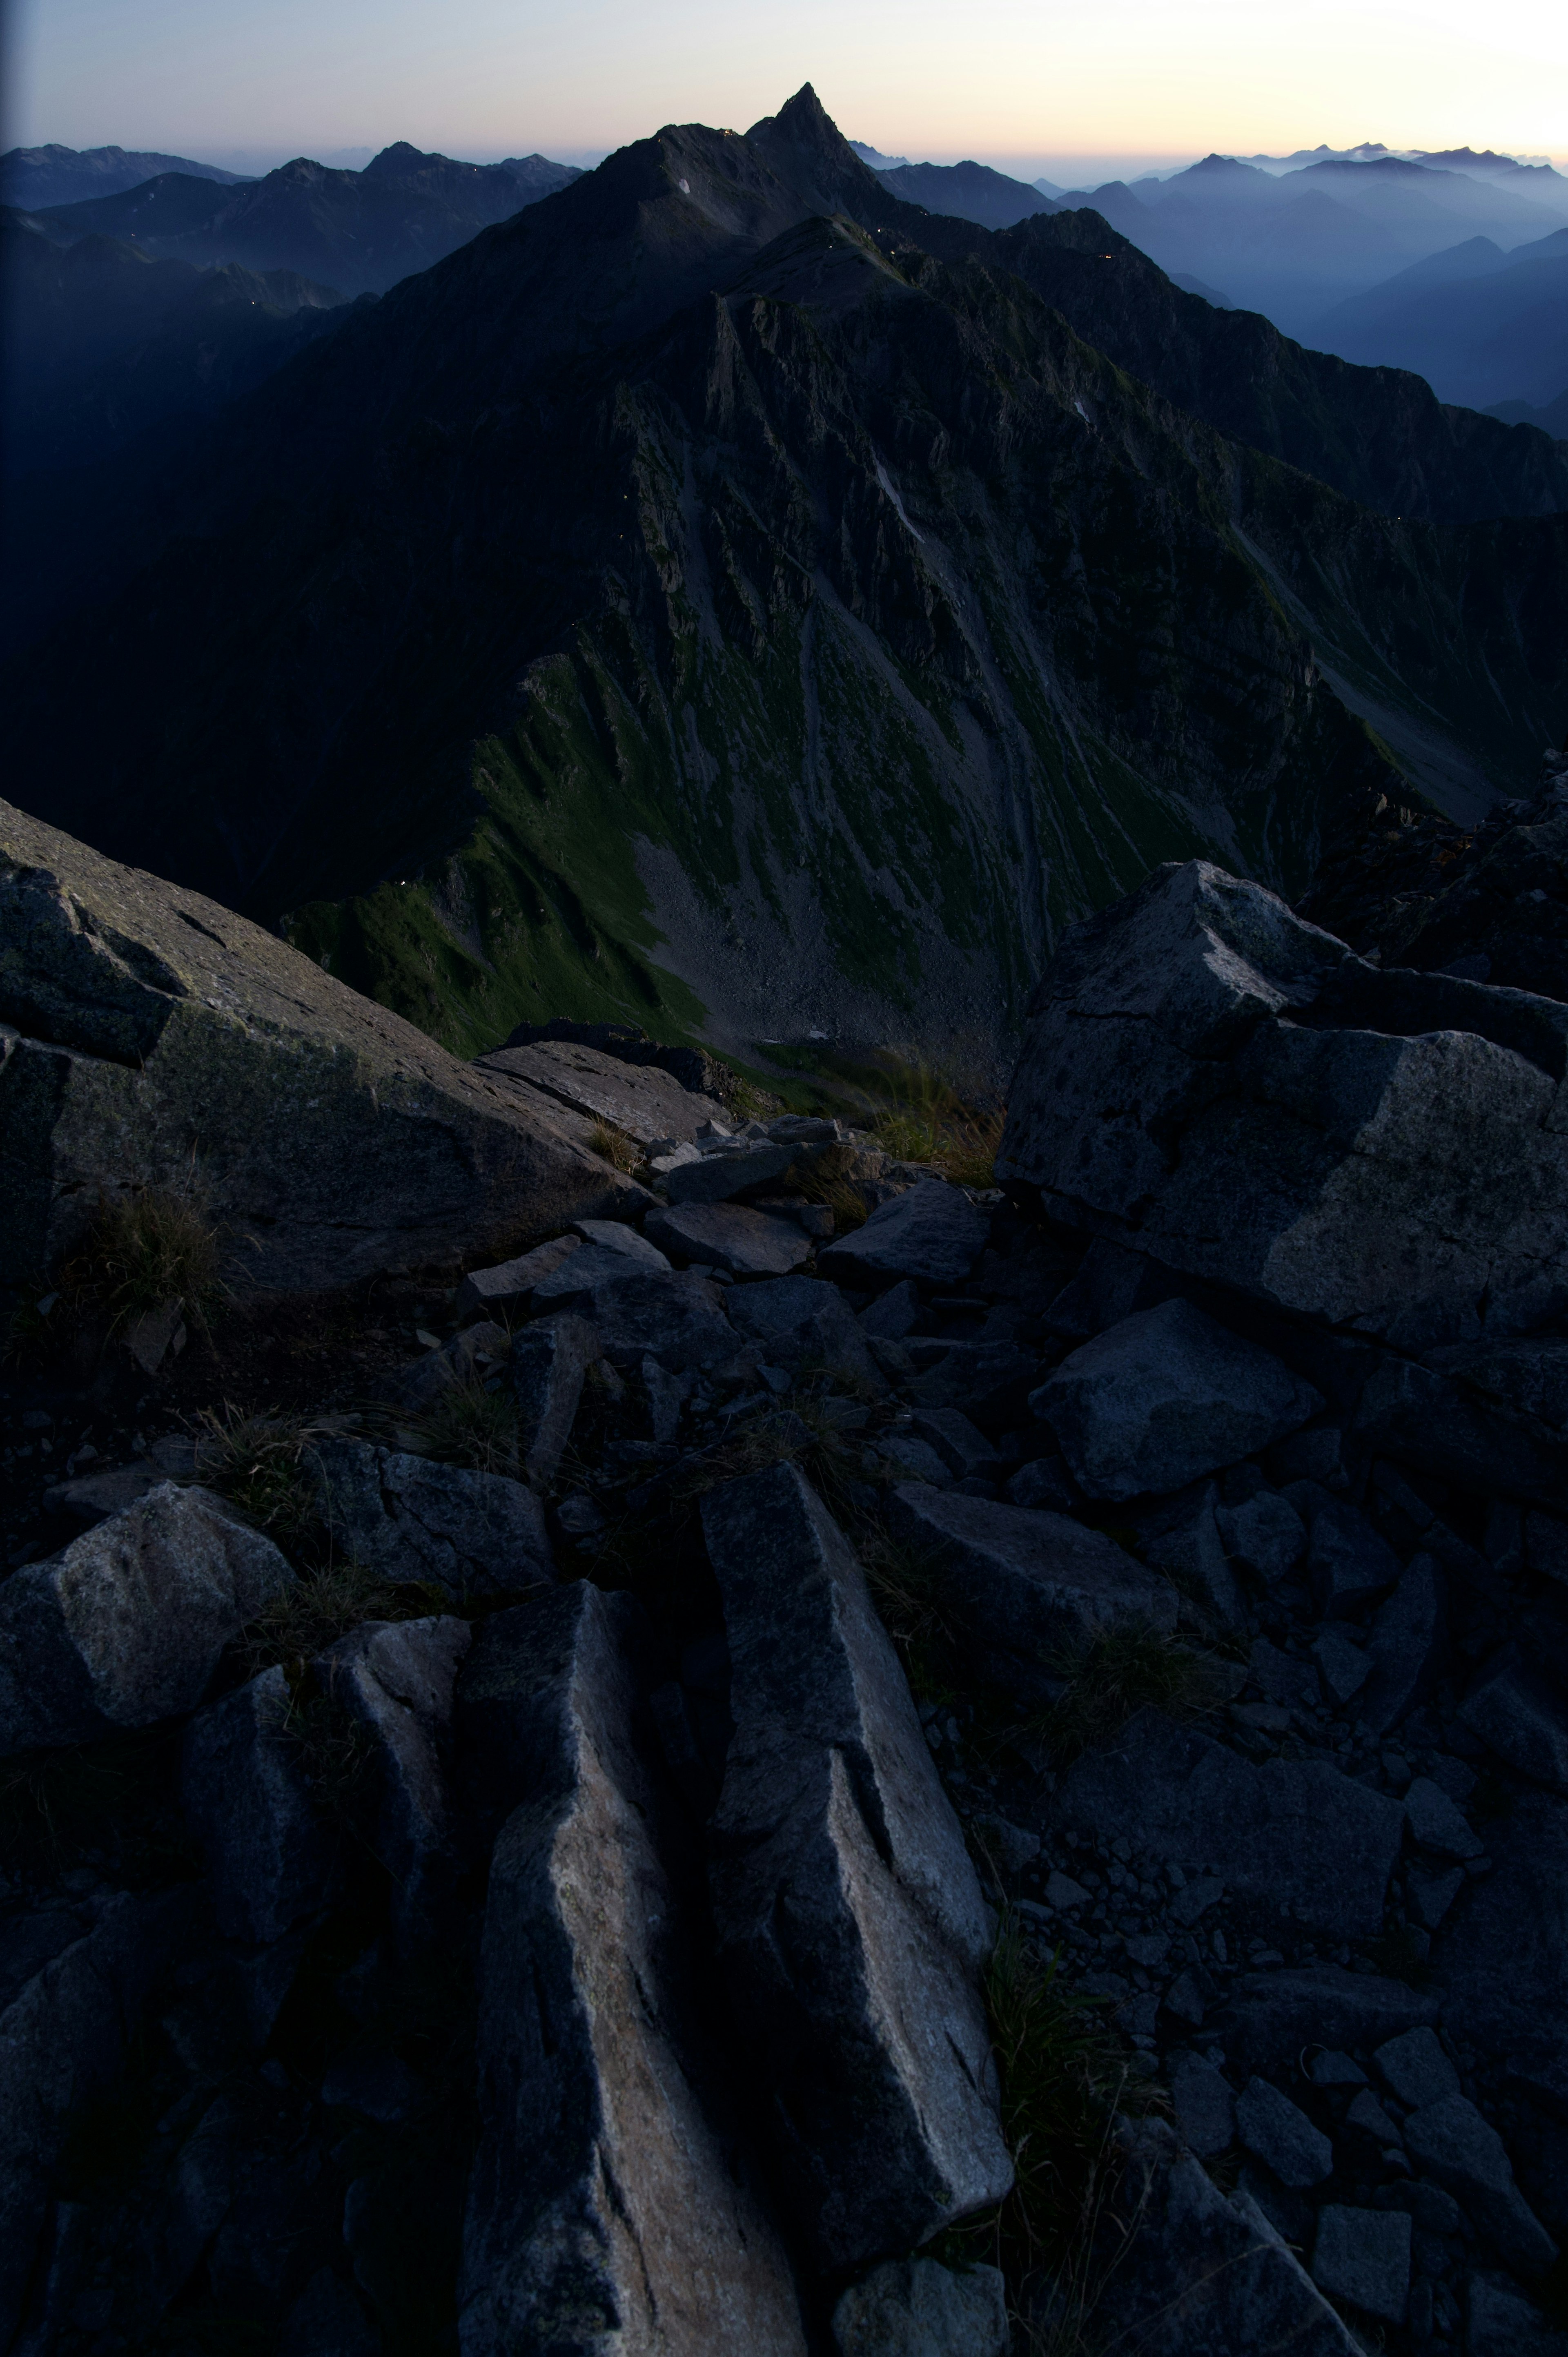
x=1362 y=2257
x=893 y=1314
x=409 y=1519
x=546 y=1368
x=719 y=1178
x=1437 y=1824
x=1513 y=1710
x=395 y=1678
x=604 y=2210
x=1502 y=1956
x=1266 y=1534
x=1281 y=2136
x=1164 y=1397
x=932 y=1233
x=1416 y=2069
x=270 y=1861
x=596 y=1264
x=1193 y=1558
x=493 y=1292
x=1451 y=2141
x=731 y=1236
x=847 y=1912
x=128 y=1625
x=1501 y=2322
x=1205 y=2108
x=803 y=1325
x=913 y=2307
x=1269 y=2018
x=1490 y=1416
x=1296 y=1833
x=678 y=1316
x=961 y=1445
x=643 y=1100
x=1027 y=1587
x=1344 y=1665
x=1406 y=1646
x=1348 y=1564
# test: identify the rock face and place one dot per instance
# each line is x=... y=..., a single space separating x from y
x=269 y=1859
x=640 y=1100
x=396 y=1679
x=1232 y=1091
x=128 y=1625
x=332 y=1139
x=603 y=2211
x=847 y=1912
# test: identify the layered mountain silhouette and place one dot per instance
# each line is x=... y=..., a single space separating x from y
x=724 y=591
x=31 y=177
x=1482 y=325
x=358 y=232
x=968 y=191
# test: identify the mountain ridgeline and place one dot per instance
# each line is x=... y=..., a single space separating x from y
x=727 y=597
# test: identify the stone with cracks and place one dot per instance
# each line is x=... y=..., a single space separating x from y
x=932 y=1233
x=640 y=1100
x=409 y=1519
x=129 y=1624
x=731 y=1236
x=334 y=1139
x=1362 y=2257
x=605 y=2210
x=270 y=1861
x=1282 y=2137
x=848 y=1915
x=1164 y=1397
x=1025 y=1587
x=803 y=1325
x=1295 y=1832
x=395 y=1678
x=914 y=2308
x=1450 y=2140
x=546 y=1368
x=1228 y=1089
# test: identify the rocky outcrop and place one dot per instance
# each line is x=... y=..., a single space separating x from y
x=147 y=1032
x=409 y=1519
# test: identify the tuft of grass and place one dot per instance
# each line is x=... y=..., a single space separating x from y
x=466 y=1424
x=318 y=1609
x=1116 y=1673
x=150 y=1247
x=842 y=1196
x=614 y=1146
x=261 y=1464
x=337 y=1756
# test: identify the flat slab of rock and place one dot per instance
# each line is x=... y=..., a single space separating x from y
x=269 y=1859
x=1295 y=1832
x=1228 y=1089
x=409 y=1519
x=129 y=1624
x=1268 y=2017
x=638 y=1099
x=1166 y=1397
x=848 y=1915
x=720 y=1177
x=546 y=1368
x=1028 y=1586
x=337 y=1139
x=493 y=1292
x=604 y=2190
x=932 y=1233
x=731 y=1236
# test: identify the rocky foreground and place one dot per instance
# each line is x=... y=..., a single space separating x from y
x=548 y=1902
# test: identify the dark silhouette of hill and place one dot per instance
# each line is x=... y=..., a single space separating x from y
x=1481 y=327
x=1551 y=419
x=971 y=191
x=31 y=177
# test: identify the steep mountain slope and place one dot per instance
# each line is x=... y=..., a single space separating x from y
x=360 y=231
x=691 y=602
x=33 y=176
x=1491 y=334
x=102 y=343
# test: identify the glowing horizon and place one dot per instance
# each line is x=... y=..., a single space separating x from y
x=1029 y=86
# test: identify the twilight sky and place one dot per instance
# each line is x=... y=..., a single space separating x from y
x=1029 y=85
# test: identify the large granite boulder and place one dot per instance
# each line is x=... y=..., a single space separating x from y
x=1232 y=1093
x=408 y=1520
x=141 y=1024
x=848 y=1915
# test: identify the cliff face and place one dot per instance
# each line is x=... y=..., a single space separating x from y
x=691 y=602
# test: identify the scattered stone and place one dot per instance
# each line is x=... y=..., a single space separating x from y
x=1332 y=2069
x=129 y=1624
x=677 y=1316
x=546 y=1368
x=596 y=1264
x=1193 y=1558
x=1205 y=2108
x=1295 y=1832
x=1513 y=1710
x=1108 y=1284
x=1293 y=1684
x=851 y=1952
x=395 y=1678
x=913 y=2307
x=1415 y=2069
x=1163 y=1398
x=1027 y=1586
x=1432 y=1891
x=1366 y=2118
x=1281 y=2136
x=618 y=1236
x=1362 y=2257
x=493 y=1292
x=1490 y=1416
x=731 y=1236
x=1188 y=1999
x=1268 y=2019
x=1406 y=1646
x=962 y=1447
x=1265 y=1534
x=1192 y=1903
x=1502 y=2323
x=1345 y=1666
x=804 y=1325
x=893 y=1314
x=719 y=1178
x=93 y=1497
x=912 y=1457
x=932 y=1233
x=1348 y=1564
x=269 y=1861
x=1062 y=1891
x=409 y=1519
x=1451 y=2141
x=627 y=2212
x=1436 y=1823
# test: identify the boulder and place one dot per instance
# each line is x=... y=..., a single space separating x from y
x=546 y=1368
x=1205 y=2108
x=1210 y=1079
x=129 y=1624
x=1407 y=1646
x=270 y=1861
x=408 y=1519
x=1513 y=1710
x=1415 y=2069
x=1282 y=2137
x=640 y=1100
x=1361 y=2257
x=604 y=2208
x=1450 y=2140
x=333 y=1139
x=733 y=1236
x=1348 y=1564
x=1164 y=1397
x=914 y=2308
x=803 y=1325
x=396 y=1679
x=848 y=1916
x=1502 y=1953
x=494 y=1292
x=1025 y=1587
x=677 y=1316
x=932 y=1233
x=1294 y=1833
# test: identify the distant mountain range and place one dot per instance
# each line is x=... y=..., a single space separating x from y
x=726 y=585
x=1480 y=324
x=1551 y=419
x=31 y=177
